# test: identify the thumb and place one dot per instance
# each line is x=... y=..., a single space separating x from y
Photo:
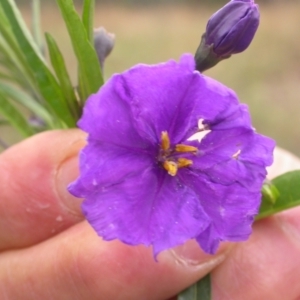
x=34 y=202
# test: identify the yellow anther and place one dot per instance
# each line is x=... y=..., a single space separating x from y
x=171 y=167
x=184 y=162
x=185 y=148
x=165 y=141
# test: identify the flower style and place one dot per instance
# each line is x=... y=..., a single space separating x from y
x=231 y=29
x=145 y=176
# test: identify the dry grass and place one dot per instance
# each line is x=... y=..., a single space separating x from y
x=266 y=76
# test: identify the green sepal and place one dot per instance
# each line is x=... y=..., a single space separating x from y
x=205 y=57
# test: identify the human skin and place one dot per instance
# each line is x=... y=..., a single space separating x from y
x=49 y=252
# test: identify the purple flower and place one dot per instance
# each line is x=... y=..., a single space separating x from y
x=231 y=29
x=145 y=179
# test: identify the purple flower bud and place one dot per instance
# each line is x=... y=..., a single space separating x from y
x=104 y=43
x=231 y=29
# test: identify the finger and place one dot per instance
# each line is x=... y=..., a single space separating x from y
x=34 y=202
x=265 y=267
x=78 y=265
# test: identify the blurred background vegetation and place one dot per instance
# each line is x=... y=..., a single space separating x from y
x=266 y=76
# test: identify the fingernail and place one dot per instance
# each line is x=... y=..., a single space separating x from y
x=190 y=255
x=67 y=173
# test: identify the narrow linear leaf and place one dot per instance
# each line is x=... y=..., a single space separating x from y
x=12 y=52
x=13 y=70
x=10 y=78
x=36 y=24
x=15 y=79
x=14 y=17
x=82 y=89
x=88 y=18
x=288 y=186
x=89 y=66
x=199 y=291
x=14 y=117
x=28 y=102
x=61 y=72
x=46 y=82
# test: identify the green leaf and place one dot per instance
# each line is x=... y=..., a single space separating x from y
x=88 y=18
x=199 y=291
x=288 y=187
x=36 y=26
x=46 y=82
x=90 y=77
x=35 y=107
x=61 y=72
x=14 y=117
x=14 y=58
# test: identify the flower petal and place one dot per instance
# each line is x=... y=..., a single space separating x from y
x=235 y=155
x=230 y=208
x=156 y=95
x=145 y=209
x=107 y=118
x=171 y=97
x=103 y=165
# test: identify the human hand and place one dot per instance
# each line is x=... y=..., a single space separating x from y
x=48 y=251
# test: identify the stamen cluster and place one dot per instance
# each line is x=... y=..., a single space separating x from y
x=169 y=157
